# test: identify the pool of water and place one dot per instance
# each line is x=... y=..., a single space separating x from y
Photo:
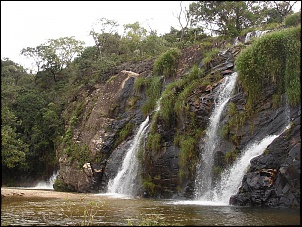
x=112 y=210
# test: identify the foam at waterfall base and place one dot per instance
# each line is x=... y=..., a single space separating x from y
x=197 y=202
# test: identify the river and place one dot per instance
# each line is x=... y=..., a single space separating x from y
x=71 y=209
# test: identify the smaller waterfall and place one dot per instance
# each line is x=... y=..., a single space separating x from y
x=256 y=34
x=124 y=182
x=231 y=178
x=203 y=182
x=47 y=184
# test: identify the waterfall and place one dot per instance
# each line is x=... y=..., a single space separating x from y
x=47 y=184
x=203 y=181
x=231 y=178
x=124 y=182
x=256 y=34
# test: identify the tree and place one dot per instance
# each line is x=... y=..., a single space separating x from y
x=102 y=32
x=10 y=69
x=284 y=8
x=227 y=18
x=55 y=54
x=13 y=149
x=187 y=17
x=134 y=33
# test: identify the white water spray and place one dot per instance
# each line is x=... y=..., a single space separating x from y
x=231 y=178
x=47 y=184
x=203 y=181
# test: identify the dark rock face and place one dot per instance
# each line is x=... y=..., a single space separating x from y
x=273 y=179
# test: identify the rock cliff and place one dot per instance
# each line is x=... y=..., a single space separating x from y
x=273 y=178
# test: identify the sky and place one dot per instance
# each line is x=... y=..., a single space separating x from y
x=31 y=23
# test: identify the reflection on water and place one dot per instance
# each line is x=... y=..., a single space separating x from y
x=110 y=210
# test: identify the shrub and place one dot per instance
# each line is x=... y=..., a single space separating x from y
x=166 y=64
x=272 y=59
x=293 y=20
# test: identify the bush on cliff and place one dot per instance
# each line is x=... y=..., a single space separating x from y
x=272 y=59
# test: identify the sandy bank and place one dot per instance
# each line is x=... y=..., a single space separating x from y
x=10 y=192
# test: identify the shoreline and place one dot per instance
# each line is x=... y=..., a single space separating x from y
x=7 y=192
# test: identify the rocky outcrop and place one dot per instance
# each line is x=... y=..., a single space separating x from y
x=273 y=179
x=108 y=108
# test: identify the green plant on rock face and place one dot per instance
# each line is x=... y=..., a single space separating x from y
x=153 y=90
x=139 y=83
x=187 y=158
x=231 y=156
x=149 y=185
x=154 y=142
x=274 y=59
x=166 y=63
x=225 y=131
x=61 y=186
x=124 y=133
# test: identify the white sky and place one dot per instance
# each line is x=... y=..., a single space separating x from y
x=31 y=23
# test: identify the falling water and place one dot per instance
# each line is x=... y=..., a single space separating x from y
x=231 y=178
x=256 y=34
x=203 y=180
x=47 y=184
x=124 y=182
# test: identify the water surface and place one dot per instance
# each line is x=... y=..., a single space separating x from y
x=115 y=209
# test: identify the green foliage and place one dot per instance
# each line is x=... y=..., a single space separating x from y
x=13 y=150
x=154 y=142
x=187 y=157
x=293 y=65
x=61 y=186
x=237 y=119
x=272 y=59
x=78 y=153
x=139 y=84
x=126 y=131
x=231 y=156
x=226 y=18
x=293 y=20
x=153 y=86
x=209 y=56
x=149 y=185
x=166 y=63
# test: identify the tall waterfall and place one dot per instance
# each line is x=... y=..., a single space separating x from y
x=203 y=181
x=124 y=182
